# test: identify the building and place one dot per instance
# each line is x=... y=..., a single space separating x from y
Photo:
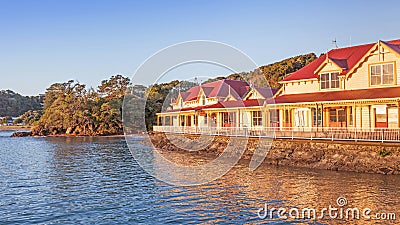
x=352 y=89
x=219 y=104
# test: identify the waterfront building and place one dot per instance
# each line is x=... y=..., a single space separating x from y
x=354 y=89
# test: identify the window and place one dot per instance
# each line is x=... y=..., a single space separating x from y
x=382 y=74
x=329 y=80
x=287 y=116
x=332 y=115
x=205 y=119
x=341 y=115
x=337 y=115
x=229 y=119
x=350 y=115
x=257 y=118
x=274 y=117
x=317 y=117
x=203 y=100
x=167 y=120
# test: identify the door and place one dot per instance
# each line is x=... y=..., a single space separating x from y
x=300 y=117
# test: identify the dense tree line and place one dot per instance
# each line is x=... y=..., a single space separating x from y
x=275 y=72
x=72 y=109
x=13 y=104
x=271 y=74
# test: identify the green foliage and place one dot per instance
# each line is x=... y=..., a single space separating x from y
x=277 y=71
x=69 y=108
x=13 y=104
x=383 y=152
x=31 y=116
x=113 y=88
x=269 y=75
x=18 y=121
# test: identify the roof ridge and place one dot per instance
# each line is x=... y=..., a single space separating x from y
x=353 y=46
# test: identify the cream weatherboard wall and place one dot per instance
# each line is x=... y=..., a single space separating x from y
x=329 y=67
x=360 y=78
x=298 y=87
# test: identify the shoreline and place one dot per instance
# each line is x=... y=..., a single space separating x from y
x=25 y=132
x=361 y=157
x=12 y=128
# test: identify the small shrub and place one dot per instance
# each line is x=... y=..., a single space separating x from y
x=383 y=152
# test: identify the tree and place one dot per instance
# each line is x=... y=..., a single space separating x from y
x=14 y=104
x=31 y=116
x=113 y=88
x=18 y=121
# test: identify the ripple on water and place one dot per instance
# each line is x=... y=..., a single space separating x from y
x=96 y=181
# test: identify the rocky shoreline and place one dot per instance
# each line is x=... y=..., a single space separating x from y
x=363 y=157
x=32 y=134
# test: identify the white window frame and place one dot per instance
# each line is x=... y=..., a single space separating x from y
x=330 y=80
x=257 y=118
x=381 y=75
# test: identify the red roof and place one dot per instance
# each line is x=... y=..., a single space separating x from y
x=394 y=45
x=343 y=95
x=220 y=88
x=346 y=58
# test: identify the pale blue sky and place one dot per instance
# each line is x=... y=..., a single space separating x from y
x=42 y=42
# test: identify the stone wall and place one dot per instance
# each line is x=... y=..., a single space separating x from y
x=383 y=158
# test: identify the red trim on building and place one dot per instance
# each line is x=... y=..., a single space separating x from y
x=343 y=95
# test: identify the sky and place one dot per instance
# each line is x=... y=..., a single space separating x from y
x=47 y=41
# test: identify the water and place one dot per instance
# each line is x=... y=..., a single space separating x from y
x=96 y=181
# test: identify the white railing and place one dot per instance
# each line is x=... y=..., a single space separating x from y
x=311 y=133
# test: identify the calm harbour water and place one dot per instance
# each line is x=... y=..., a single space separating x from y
x=97 y=181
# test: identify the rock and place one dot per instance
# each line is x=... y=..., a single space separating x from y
x=69 y=130
x=21 y=134
x=344 y=156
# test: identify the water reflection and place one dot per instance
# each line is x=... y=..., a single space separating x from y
x=240 y=193
x=96 y=180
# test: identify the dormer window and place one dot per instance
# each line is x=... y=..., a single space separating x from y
x=329 y=80
x=382 y=74
x=181 y=102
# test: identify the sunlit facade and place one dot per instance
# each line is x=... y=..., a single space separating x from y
x=353 y=88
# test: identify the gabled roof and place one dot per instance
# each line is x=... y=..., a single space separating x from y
x=394 y=45
x=264 y=92
x=346 y=58
x=221 y=88
x=341 y=63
